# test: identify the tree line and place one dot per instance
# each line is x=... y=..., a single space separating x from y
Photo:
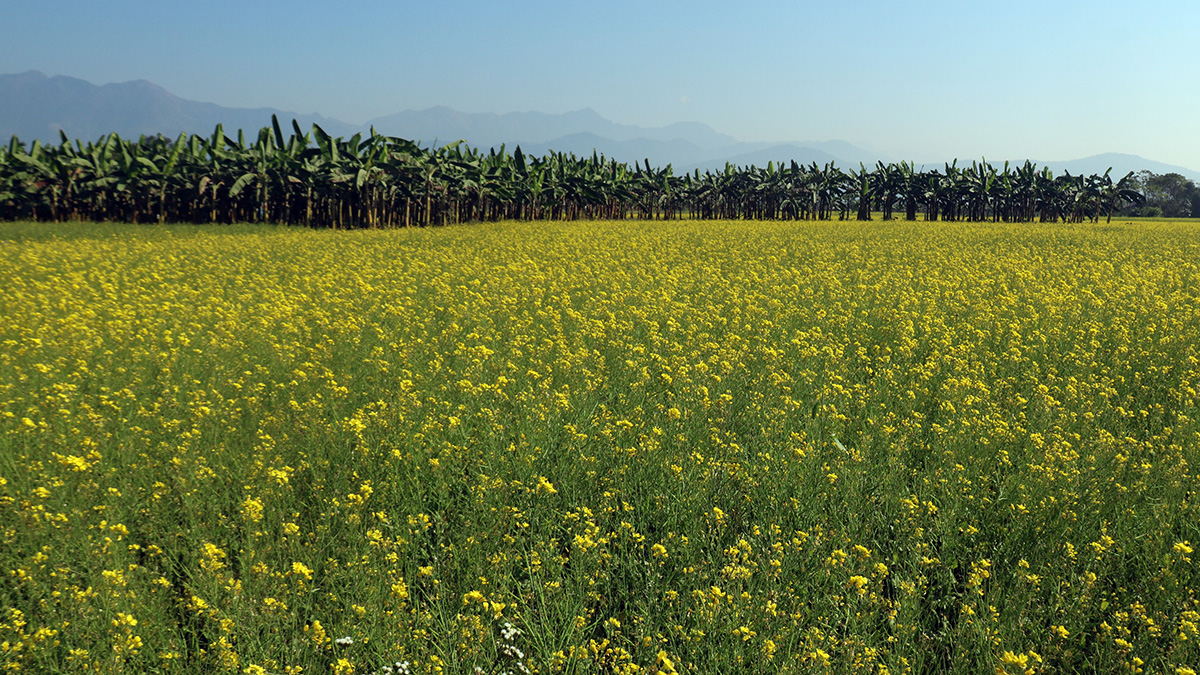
x=371 y=180
x=1168 y=195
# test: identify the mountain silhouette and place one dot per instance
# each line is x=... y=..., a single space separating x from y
x=36 y=106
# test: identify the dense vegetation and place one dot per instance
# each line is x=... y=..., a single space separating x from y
x=380 y=181
x=613 y=447
x=1168 y=195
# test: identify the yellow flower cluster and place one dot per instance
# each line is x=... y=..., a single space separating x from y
x=629 y=447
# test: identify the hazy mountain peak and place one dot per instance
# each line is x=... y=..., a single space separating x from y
x=31 y=75
x=585 y=112
x=1121 y=164
x=37 y=107
x=533 y=128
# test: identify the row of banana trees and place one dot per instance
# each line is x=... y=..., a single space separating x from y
x=310 y=178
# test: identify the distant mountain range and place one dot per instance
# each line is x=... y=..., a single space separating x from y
x=1121 y=164
x=35 y=106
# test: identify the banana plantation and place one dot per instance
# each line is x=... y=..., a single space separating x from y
x=381 y=181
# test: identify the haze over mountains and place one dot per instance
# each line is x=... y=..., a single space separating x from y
x=35 y=106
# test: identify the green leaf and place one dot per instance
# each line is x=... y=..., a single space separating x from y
x=175 y=151
x=278 y=132
x=240 y=184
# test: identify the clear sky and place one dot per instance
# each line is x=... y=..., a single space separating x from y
x=1044 y=79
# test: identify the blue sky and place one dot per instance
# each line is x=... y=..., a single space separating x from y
x=1045 y=79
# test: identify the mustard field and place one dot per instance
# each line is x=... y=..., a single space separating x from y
x=600 y=447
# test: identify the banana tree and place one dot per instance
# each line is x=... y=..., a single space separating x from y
x=861 y=183
x=1112 y=195
x=317 y=180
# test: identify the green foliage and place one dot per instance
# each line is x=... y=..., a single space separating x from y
x=379 y=181
x=1167 y=195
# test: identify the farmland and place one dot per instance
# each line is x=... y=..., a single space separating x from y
x=600 y=446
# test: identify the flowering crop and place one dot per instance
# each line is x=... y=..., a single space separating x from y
x=620 y=447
